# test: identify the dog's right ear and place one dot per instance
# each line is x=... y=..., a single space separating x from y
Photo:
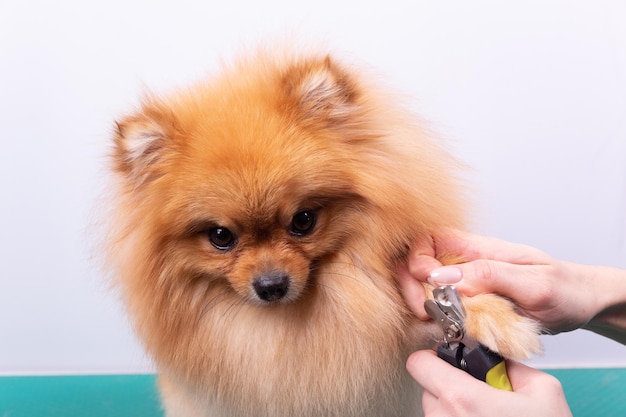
x=141 y=145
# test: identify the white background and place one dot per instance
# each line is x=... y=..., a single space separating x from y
x=531 y=95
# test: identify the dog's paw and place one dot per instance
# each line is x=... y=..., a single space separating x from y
x=493 y=321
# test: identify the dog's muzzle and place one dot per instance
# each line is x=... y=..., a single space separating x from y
x=271 y=287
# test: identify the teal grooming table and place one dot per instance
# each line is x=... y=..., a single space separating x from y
x=79 y=396
x=590 y=393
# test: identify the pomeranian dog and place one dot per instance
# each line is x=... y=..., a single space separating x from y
x=259 y=220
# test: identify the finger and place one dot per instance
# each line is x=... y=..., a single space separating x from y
x=521 y=375
x=413 y=293
x=422 y=259
x=420 y=266
x=472 y=247
x=435 y=375
x=535 y=384
x=509 y=280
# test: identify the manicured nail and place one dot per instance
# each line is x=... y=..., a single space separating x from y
x=445 y=275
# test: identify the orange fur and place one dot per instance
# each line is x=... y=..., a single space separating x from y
x=245 y=152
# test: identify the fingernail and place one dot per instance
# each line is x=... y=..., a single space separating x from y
x=445 y=275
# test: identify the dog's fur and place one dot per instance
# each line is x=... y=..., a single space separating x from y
x=294 y=167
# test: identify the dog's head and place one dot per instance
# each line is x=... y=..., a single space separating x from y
x=253 y=180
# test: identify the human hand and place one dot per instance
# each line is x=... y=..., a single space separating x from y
x=561 y=296
x=451 y=392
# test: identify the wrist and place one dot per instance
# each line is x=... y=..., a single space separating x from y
x=609 y=294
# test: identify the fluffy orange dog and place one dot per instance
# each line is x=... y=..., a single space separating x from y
x=259 y=221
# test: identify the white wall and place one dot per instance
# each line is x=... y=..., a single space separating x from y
x=531 y=94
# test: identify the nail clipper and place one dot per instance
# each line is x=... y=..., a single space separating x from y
x=457 y=348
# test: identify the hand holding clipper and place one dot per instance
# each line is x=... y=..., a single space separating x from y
x=457 y=348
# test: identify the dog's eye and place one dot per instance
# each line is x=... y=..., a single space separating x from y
x=221 y=238
x=303 y=222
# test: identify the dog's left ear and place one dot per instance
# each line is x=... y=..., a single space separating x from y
x=321 y=92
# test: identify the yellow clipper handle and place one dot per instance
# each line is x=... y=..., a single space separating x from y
x=498 y=378
x=480 y=362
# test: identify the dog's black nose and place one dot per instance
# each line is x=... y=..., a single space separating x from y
x=271 y=287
